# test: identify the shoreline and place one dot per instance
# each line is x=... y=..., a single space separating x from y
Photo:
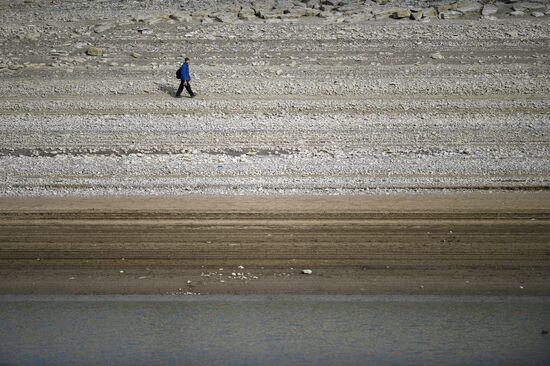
x=276 y=298
x=405 y=244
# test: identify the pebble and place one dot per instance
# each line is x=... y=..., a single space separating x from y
x=517 y=13
x=512 y=34
x=307 y=271
x=94 y=51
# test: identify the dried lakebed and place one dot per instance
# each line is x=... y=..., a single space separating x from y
x=287 y=108
x=475 y=243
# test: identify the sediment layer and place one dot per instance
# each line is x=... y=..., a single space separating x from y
x=435 y=244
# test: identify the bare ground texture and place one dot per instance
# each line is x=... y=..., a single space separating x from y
x=454 y=243
x=304 y=103
x=388 y=146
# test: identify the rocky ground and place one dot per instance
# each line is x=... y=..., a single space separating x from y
x=316 y=97
x=301 y=99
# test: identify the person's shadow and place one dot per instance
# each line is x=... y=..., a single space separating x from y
x=168 y=89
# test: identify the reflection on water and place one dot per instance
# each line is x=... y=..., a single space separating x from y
x=281 y=330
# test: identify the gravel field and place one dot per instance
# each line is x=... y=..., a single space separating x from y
x=344 y=100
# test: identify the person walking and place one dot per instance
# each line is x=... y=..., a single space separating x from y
x=185 y=79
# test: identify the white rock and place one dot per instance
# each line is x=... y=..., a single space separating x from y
x=437 y=56
x=489 y=9
x=517 y=13
x=512 y=34
x=307 y=271
x=100 y=28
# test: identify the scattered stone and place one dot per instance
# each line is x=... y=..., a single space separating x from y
x=417 y=13
x=246 y=13
x=102 y=28
x=224 y=17
x=396 y=13
x=451 y=14
x=468 y=7
x=517 y=13
x=537 y=14
x=154 y=20
x=94 y=51
x=135 y=55
x=437 y=56
x=186 y=18
x=307 y=271
x=445 y=5
x=401 y=13
x=429 y=12
x=488 y=10
x=145 y=31
x=31 y=36
x=528 y=5
x=512 y=34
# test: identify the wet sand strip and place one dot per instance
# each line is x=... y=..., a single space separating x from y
x=448 y=243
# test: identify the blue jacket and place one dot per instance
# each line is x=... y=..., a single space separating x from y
x=185 y=72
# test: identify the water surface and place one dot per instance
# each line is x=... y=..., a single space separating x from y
x=279 y=330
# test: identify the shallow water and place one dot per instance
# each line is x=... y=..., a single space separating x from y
x=278 y=330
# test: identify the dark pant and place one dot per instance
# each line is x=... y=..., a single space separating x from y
x=187 y=87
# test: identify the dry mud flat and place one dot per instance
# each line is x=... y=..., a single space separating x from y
x=471 y=243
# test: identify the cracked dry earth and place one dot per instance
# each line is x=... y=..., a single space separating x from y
x=284 y=108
